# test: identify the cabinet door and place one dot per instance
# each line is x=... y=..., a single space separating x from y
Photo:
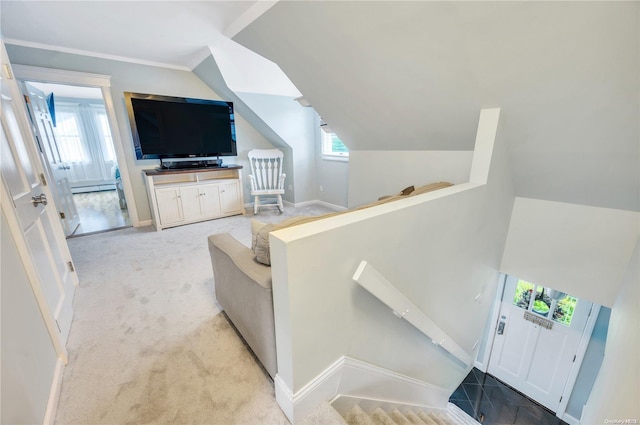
x=169 y=205
x=191 y=203
x=210 y=200
x=230 y=201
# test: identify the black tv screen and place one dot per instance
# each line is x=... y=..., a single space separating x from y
x=178 y=127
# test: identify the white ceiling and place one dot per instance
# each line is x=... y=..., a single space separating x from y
x=168 y=33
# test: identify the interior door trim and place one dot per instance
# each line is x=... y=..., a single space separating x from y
x=103 y=82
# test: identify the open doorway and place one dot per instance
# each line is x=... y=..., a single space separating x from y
x=76 y=142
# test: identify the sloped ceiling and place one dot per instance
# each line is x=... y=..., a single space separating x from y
x=414 y=75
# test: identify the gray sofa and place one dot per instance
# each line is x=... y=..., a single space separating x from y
x=243 y=289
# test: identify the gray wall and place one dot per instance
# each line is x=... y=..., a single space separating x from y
x=295 y=126
x=142 y=79
x=28 y=356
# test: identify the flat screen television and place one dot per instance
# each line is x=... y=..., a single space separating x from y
x=177 y=127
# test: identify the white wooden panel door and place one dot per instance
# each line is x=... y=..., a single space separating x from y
x=57 y=166
x=169 y=205
x=230 y=201
x=210 y=200
x=531 y=358
x=27 y=203
x=191 y=208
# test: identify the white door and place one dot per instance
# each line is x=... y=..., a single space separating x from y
x=536 y=341
x=57 y=166
x=26 y=201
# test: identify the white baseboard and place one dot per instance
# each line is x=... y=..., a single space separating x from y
x=304 y=204
x=349 y=379
x=143 y=223
x=570 y=419
x=54 y=394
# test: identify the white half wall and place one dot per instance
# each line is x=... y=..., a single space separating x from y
x=376 y=173
x=616 y=391
x=441 y=256
x=580 y=250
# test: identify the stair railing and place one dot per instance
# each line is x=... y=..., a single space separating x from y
x=371 y=280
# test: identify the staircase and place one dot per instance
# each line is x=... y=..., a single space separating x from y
x=453 y=415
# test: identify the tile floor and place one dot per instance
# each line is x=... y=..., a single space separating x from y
x=491 y=402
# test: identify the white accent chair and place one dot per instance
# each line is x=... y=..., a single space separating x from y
x=267 y=178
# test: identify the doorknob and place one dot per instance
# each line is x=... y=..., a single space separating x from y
x=501 y=325
x=40 y=199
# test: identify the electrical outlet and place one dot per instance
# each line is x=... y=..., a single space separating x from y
x=321 y=188
x=290 y=187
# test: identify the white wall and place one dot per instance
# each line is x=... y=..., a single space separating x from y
x=376 y=173
x=616 y=391
x=142 y=79
x=28 y=356
x=581 y=250
x=430 y=247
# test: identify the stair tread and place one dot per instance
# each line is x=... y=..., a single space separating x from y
x=380 y=417
x=357 y=416
x=399 y=417
x=415 y=419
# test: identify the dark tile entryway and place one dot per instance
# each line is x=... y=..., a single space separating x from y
x=491 y=402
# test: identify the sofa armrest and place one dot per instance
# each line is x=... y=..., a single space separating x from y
x=243 y=290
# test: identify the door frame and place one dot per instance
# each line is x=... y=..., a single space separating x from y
x=575 y=367
x=103 y=82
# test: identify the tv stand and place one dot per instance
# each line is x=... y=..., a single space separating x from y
x=190 y=195
x=196 y=163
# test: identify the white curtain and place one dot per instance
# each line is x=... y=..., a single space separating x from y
x=85 y=143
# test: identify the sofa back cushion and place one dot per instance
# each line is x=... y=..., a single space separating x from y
x=260 y=231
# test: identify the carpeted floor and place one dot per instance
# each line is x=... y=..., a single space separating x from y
x=149 y=344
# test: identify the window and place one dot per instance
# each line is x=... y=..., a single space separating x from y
x=544 y=301
x=105 y=134
x=69 y=137
x=332 y=146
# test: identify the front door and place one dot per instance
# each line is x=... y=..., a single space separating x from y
x=57 y=166
x=536 y=341
x=26 y=200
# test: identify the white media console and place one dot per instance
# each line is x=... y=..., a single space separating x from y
x=178 y=197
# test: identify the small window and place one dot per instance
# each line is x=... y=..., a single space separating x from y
x=544 y=301
x=332 y=146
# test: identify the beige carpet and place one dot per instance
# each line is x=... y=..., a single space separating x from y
x=149 y=344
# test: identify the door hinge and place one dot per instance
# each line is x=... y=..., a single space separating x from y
x=58 y=325
x=560 y=399
x=7 y=71
x=62 y=216
x=43 y=179
x=27 y=99
x=574 y=358
x=71 y=268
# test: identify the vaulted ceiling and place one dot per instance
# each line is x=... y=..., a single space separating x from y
x=414 y=75
x=395 y=75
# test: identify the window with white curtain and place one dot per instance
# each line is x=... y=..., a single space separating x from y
x=85 y=142
x=69 y=137
x=105 y=133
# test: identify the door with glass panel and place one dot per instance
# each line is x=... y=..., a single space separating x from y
x=537 y=337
